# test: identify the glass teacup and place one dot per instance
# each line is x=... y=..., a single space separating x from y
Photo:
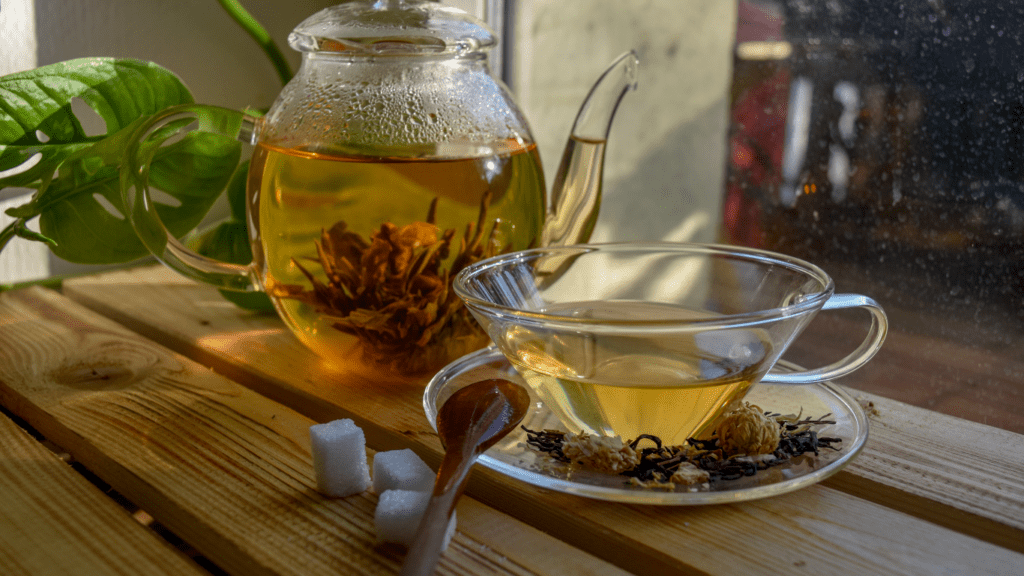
x=659 y=338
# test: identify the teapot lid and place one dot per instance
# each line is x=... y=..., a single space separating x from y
x=404 y=27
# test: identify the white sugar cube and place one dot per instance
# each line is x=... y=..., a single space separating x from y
x=398 y=516
x=339 y=458
x=401 y=470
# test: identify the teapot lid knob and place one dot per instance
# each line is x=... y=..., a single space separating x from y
x=376 y=27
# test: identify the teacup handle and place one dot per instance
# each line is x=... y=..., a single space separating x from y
x=859 y=357
x=141 y=210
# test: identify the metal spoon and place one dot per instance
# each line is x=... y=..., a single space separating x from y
x=472 y=420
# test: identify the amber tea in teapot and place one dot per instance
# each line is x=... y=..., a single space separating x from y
x=392 y=160
x=385 y=304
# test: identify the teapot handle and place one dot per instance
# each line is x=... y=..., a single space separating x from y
x=141 y=210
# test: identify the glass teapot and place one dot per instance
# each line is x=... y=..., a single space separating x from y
x=391 y=160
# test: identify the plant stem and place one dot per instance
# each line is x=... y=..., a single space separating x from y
x=53 y=283
x=17 y=228
x=260 y=35
x=23 y=231
x=8 y=233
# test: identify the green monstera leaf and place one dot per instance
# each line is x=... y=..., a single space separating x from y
x=37 y=119
x=76 y=176
x=87 y=223
x=45 y=146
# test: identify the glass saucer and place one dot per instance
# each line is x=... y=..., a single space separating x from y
x=513 y=457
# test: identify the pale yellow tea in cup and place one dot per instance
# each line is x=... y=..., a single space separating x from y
x=667 y=386
x=656 y=339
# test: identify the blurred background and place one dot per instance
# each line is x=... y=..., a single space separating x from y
x=879 y=140
x=884 y=142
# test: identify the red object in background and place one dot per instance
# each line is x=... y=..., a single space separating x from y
x=757 y=134
x=757 y=130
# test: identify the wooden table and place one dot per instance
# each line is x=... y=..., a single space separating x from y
x=186 y=420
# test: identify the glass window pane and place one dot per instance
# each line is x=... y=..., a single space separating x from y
x=880 y=140
x=884 y=142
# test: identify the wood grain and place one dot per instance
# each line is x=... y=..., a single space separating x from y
x=224 y=468
x=959 y=474
x=55 y=522
x=923 y=366
x=837 y=531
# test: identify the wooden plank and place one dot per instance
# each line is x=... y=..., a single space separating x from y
x=959 y=474
x=55 y=522
x=257 y=351
x=981 y=381
x=226 y=469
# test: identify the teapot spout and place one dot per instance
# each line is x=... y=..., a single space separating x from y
x=576 y=193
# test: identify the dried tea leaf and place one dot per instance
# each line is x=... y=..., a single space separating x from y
x=659 y=464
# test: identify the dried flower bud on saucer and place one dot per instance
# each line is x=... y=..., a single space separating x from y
x=602 y=453
x=746 y=429
x=689 y=475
